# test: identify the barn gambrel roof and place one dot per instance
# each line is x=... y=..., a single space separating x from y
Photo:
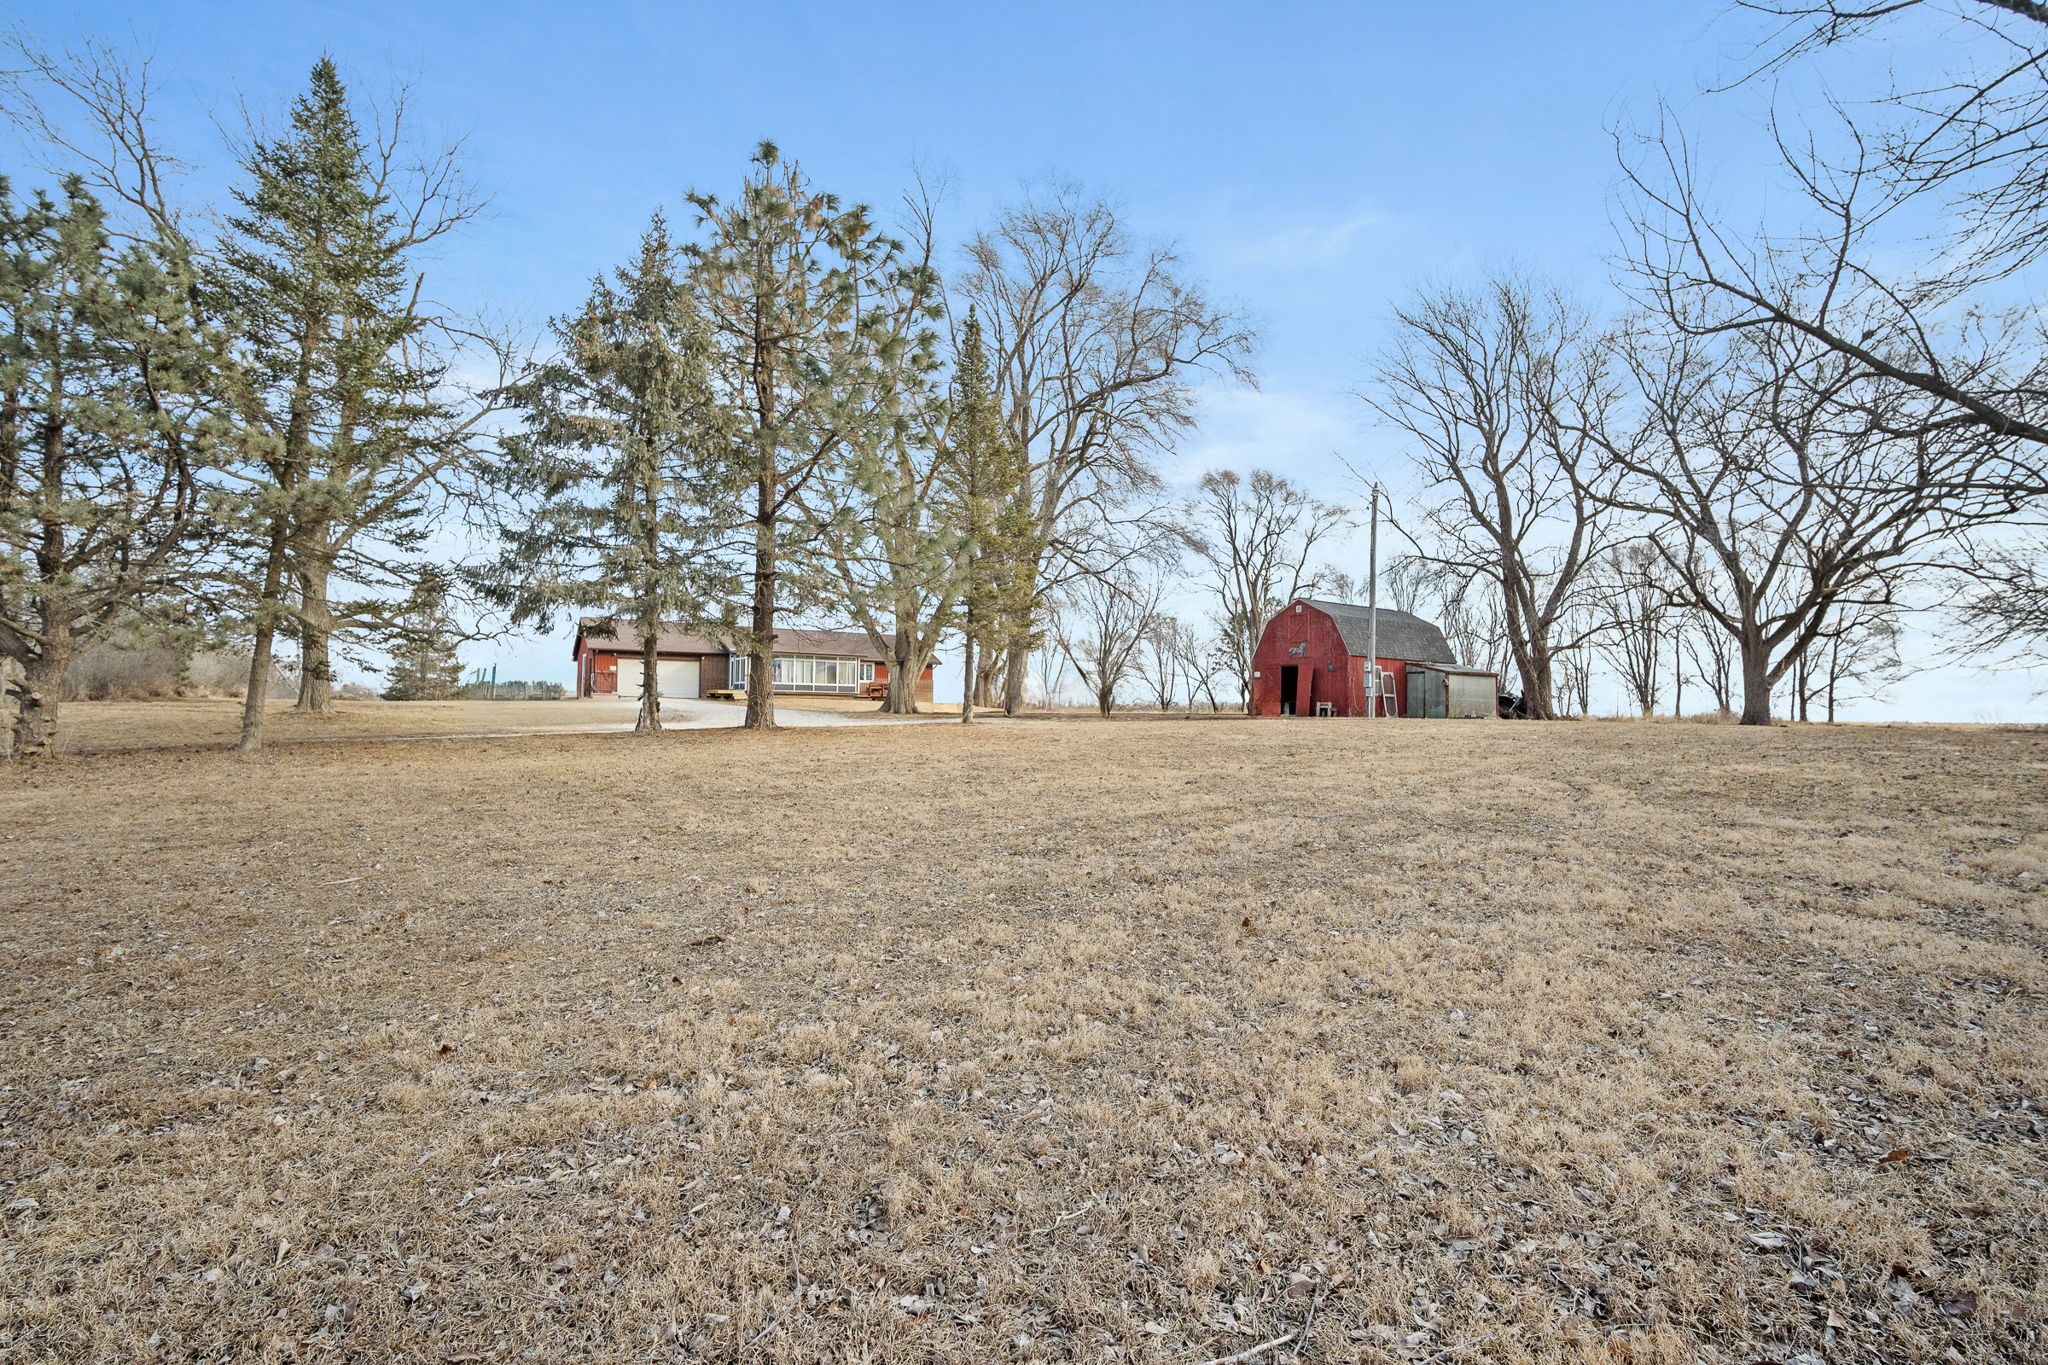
x=1402 y=634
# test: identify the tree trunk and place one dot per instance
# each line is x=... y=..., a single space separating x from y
x=761 y=662
x=35 y=722
x=1756 y=683
x=1528 y=641
x=649 y=718
x=1677 y=678
x=1105 y=700
x=1015 y=660
x=266 y=637
x=988 y=672
x=904 y=670
x=316 y=640
x=1538 y=693
x=967 y=674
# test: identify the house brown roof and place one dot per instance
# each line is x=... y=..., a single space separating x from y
x=789 y=640
x=832 y=644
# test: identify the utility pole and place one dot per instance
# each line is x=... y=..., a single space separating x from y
x=1372 y=610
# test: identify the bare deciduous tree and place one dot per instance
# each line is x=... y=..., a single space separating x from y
x=2002 y=605
x=1103 y=624
x=1575 y=680
x=1467 y=607
x=1164 y=664
x=1974 y=137
x=1095 y=343
x=86 y=108
x=1710 y=650
x=1780 y=485
x=1855 y=658
x=1634 y=608
x=1487 y=384
x=1254 y=534
x=1906 y=216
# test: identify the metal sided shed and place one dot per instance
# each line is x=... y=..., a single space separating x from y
x=1440 y=692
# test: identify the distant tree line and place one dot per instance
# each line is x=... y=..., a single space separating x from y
x=253 y=421
x=250 y=424
x=1742 y=478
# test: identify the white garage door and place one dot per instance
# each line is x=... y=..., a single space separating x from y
x=678 y=678
x=629 y=678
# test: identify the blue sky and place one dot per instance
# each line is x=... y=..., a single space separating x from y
x=1312 y=161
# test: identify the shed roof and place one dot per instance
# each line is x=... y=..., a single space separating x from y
x=1402 y=634
x=836 y=644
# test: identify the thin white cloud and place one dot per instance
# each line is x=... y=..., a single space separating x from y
x=1297 y=432
x=1308 y=241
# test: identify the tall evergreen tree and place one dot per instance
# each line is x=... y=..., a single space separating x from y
x=626 y=473
x=999 y=535
x=424 y=645
x=344 y=376
x=812 y=359
x=106 y=435
x=889 y=523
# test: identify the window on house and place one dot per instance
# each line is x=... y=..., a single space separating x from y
x=803 y=674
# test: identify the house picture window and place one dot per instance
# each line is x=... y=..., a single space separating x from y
x=867 y=673
x=802 y=673
x=736 y=671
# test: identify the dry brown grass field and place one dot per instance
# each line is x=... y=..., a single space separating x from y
x=1414 y=1041
x=88 y=727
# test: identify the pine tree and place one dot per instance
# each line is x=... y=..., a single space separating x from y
x=810 y=366
x=423 y=645
x=343 y=375
x=625 y=476
x=891 y=530
x=107 y=433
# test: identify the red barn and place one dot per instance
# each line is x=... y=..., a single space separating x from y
x=1312 y=657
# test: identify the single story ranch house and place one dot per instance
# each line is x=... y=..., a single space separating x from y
x=1312 y=657
x=831 y=663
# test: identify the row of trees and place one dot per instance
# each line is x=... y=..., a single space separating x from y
x=1742 y=481
x=256 y=422
x=1783 y=433
x=793 y=411
x=238 y=423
